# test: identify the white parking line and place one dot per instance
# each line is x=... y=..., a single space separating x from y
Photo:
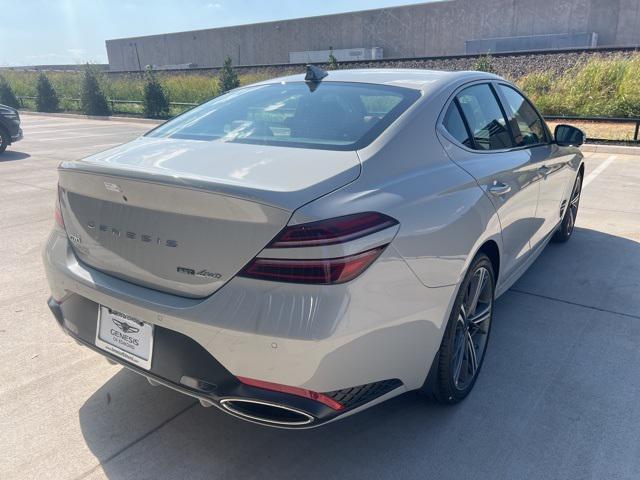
x=74 y=137
x=599 y=169
x=60 y=127
x=78 y=128
x=55 y=121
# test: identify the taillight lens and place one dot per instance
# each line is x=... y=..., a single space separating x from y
x=321 y=271
x=301 y=392
x=57 y=214
x=332 y=231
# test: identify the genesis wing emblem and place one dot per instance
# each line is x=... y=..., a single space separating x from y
x=125 y=327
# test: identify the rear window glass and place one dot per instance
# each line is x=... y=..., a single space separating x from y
x=333 y=115
x=455 y=125
x=484 y=117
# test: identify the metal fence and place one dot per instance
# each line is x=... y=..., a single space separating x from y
x=113 y=103
x=614 y=120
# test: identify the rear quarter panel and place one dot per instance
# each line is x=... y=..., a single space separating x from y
x=444 y=215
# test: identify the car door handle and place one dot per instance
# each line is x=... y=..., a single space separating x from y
x=498 y=189
x=544 y=170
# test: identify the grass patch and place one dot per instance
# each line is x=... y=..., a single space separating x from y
x=599 y=87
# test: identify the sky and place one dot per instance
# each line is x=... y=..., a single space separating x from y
x=49 y=32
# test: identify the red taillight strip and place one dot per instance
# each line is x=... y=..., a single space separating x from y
x=332 y=231
x=300 y=392
x=320 y=272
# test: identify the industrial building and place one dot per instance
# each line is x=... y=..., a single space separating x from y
x=450 y=27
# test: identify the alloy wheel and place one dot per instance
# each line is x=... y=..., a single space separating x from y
x=573 y=205
x=472 y=328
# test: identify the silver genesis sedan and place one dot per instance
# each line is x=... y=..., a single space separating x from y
x=298 y=250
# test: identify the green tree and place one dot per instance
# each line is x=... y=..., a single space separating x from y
x=92 y=98
x=46 y=97
x=227 y=77
x=154 y=100
x=332 y=64
x=484 y=63
x=7 y=97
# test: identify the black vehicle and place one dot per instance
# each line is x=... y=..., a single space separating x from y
x=10 y=131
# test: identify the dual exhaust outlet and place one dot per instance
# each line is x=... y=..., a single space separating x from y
x=266 y=412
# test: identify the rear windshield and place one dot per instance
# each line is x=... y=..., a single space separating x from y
x=332 y=116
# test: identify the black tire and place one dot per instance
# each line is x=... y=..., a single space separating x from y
x=443 y=383
x=5 y=140
x=565 y=229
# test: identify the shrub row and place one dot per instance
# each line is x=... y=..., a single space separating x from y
x=593 y=86
x=92 y=92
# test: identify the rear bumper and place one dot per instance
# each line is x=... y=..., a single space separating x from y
x=182 y=364
x=360 y=343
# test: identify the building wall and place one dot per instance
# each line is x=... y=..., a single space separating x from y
x=431 y=29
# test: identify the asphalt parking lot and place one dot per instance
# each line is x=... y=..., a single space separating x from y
x=558 y=396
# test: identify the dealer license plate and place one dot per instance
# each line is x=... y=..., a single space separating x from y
x=125 y=337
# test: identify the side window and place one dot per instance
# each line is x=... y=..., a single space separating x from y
x=484 y=117
x=454 y=124
x=526 y=124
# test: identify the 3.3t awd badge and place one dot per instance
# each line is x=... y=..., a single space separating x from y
x=204 y=273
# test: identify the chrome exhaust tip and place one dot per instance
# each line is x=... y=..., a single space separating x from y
x=266 y=412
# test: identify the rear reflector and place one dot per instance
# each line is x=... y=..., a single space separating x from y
x=332 y=231
x=58 y=218
x=323 y=271
x=57 y=214
x=300 y=392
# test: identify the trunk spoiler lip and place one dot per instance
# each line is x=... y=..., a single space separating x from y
x=282 y=200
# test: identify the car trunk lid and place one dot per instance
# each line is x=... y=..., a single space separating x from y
x=185 y=216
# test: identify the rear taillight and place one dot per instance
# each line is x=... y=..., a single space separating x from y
x=321 y=271
x=57 y=214
x=332 y=231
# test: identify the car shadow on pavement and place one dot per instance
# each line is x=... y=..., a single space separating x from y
x=11 y=155
x=554 y=389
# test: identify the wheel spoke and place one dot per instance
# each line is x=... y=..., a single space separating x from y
x=477 y=290
x=571 y=220
x=575 y=199
x=458 y=359
x=479 y=318
x=478 y=323
x=472 y=359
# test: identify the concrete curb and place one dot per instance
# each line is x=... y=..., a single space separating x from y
x=619 y=149
x=147 y=121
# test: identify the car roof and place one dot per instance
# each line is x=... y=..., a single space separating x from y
x=417 y=79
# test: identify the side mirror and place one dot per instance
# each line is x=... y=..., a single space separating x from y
x=567 y=135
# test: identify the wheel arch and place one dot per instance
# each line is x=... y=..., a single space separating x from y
x=490 y=249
